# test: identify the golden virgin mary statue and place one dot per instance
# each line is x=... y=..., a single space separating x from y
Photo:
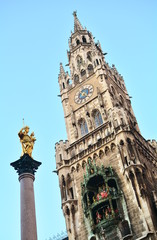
x=26 y=140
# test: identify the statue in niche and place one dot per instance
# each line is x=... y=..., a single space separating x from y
x=79 y=62
x=26 y=140
x=98 y=217
x=89 y=122
x=75 y=131
x=88 y=117
x=100 y=98
x=72 y=117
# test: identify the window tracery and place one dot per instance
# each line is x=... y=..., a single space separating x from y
x=83 y=127
x=97 y=118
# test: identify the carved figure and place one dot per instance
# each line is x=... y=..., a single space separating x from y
x=98 y=217
x=94 y=200
x=75 y=131
x=26 y=140
x=100 y=99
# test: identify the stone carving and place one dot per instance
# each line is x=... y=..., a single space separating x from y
x=100 y=99
x=26 y=140
x=90 y=125
x=75 y=131
x=73 y=117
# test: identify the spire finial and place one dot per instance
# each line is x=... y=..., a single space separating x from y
x=77 y=24
x=62 y=69
x=75 y=13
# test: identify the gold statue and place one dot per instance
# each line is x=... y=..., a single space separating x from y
x=26 y=140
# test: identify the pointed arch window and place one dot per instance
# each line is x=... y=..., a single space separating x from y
x=63 y=85
x=76 y=78
x=115 y=78
x=84 y=39
x=89 y=56
x=121 y=100
x=97 y=118
x=83 y=72
x=77 y=41
x=97 y=62
x=90 y=69
x=83 y=127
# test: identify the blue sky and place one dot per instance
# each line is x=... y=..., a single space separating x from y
x=33 y=41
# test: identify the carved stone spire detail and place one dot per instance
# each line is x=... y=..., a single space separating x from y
x=77 y=24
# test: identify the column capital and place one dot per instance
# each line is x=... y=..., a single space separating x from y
x=25 y=165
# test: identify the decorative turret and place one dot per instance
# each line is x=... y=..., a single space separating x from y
x=63 y=79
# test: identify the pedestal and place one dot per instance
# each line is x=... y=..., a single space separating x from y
x=26 y=168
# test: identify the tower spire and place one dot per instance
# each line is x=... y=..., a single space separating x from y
x=62 y=72
x=62 y=69
x=77 y=24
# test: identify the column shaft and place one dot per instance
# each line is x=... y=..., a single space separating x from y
x=28 y=217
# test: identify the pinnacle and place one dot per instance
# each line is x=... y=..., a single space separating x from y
x=61 y=69
x=77 y=24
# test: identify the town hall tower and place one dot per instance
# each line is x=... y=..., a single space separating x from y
x=107 y=171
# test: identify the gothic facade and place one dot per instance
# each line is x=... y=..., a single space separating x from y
x=107 y=171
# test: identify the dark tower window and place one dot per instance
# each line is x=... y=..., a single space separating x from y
x=89 y=56
x=97 y=62
x=71 y=193
x=77 y=41
x=60 y=156
x=90 y=69
x=63 y=86
x=84 y=39
x=83 y=72
x=115 y=78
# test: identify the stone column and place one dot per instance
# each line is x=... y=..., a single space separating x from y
x=26 y=168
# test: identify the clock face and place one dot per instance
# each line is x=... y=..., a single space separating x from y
x=84 y=94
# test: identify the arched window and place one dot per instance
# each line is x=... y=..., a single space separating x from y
x=63 y=192
x=115 y=78
x=83 y=127
x=113 y=90
x=97 y=61
x=121 y=100
x=90 y=69
x=89 y=56
x=63 y=85
x=84 y=39
x=83 y=72
x=97 y=118
x=69 y=82
x=76 y=78
x=77 y=41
